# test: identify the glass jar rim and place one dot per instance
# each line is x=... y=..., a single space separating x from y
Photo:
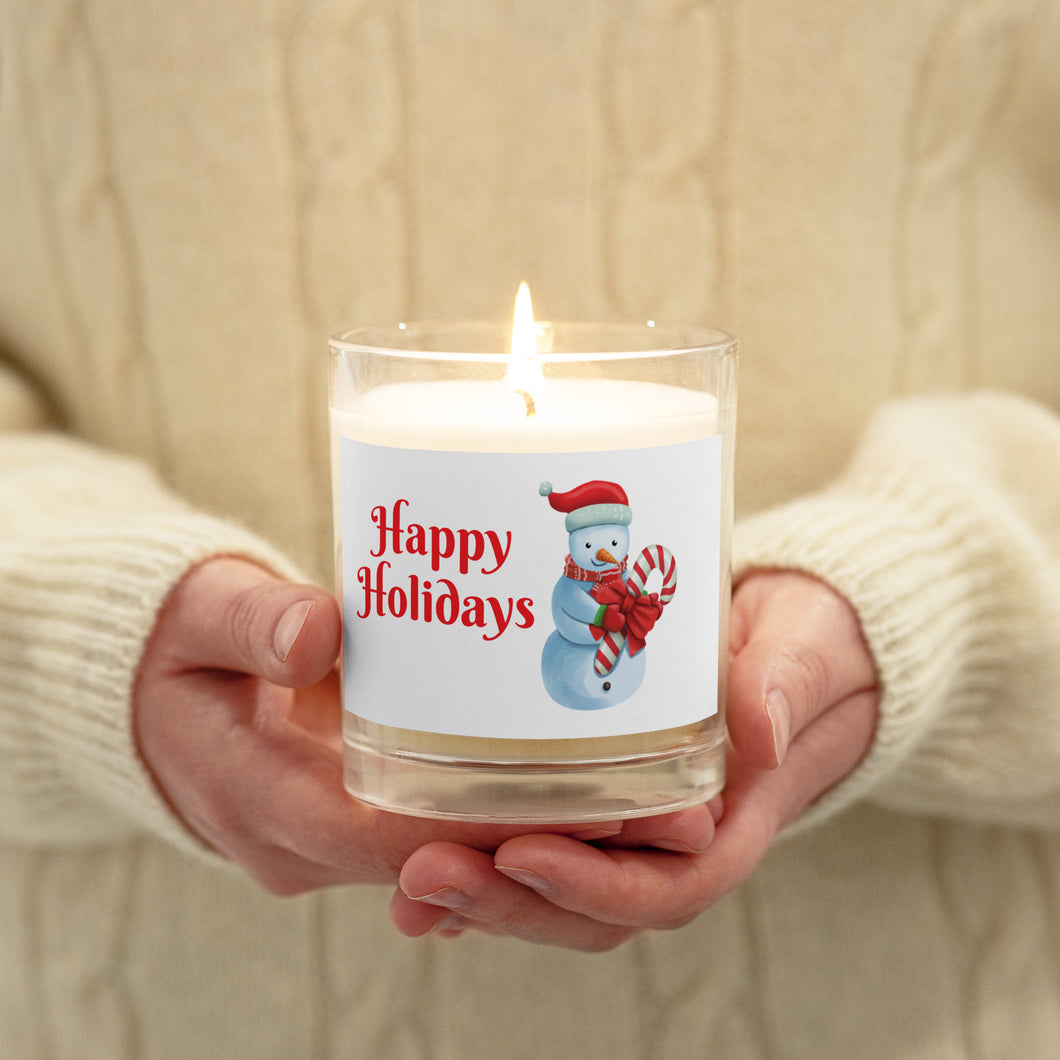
x=615 y=340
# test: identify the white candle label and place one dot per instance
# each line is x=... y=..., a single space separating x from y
x=531 y=595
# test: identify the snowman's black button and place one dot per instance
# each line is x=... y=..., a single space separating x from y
x=607 y=686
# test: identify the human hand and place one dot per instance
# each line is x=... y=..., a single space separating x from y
x=237 y=716
x=801 y=714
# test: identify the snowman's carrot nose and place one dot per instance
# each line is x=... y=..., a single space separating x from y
x=606 y=556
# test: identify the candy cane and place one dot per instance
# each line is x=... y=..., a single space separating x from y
x=654 y=557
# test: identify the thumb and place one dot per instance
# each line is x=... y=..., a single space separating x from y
x=799 y=652
x=231 y=614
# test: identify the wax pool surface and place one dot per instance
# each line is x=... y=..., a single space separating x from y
x=570 y=415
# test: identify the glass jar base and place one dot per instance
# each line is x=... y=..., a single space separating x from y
x=569 y=791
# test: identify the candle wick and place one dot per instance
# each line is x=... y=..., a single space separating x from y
x=530 y=407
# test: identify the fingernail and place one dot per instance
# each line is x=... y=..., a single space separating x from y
x=601 y=832
x=288 y=628
x=676 y=845
x=448 y=923
x=717 y=808
x=526 y=878
x=446 y=897
x=779 y=711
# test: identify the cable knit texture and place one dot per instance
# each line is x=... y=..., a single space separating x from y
x=195 y=195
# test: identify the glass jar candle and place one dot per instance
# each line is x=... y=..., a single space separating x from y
x=532 y=553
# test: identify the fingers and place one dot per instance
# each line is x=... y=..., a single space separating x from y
x=797 y=649
x=685 y=832
x=229 y=614
x=556 y=891
x=452 y=887
x=446 y=887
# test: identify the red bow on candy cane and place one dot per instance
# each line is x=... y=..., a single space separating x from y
x=626 y=612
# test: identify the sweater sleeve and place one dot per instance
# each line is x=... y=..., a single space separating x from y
x=944 y=534
x=90 y=546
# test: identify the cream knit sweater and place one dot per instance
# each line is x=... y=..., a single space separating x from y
x=193 y=195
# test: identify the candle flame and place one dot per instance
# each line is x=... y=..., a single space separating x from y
x=524 y=342
x=523 y=370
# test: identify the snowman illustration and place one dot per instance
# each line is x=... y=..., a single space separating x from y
x=595 y=658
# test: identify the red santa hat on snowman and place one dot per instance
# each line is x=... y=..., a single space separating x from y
x=595 y=503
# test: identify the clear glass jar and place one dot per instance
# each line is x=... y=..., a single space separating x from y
x=480 y=672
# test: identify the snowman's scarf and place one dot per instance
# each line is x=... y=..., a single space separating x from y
x=580 y=574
